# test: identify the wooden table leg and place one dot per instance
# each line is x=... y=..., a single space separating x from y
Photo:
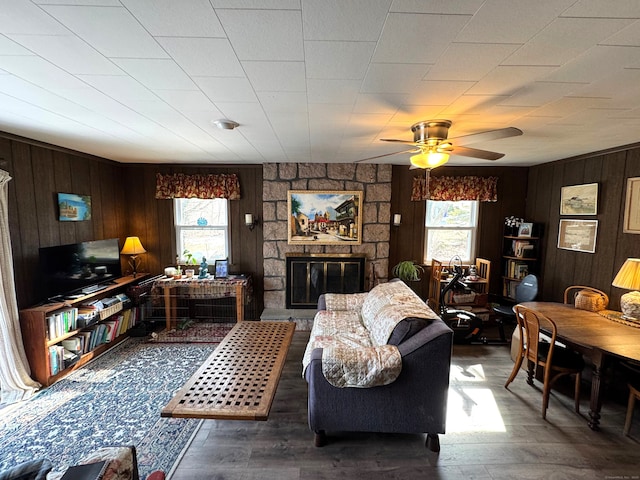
x=599 y=366
x=167 y=307
x=239 y=303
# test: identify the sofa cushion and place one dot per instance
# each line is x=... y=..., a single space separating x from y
x=361 y=367
x=406 y=329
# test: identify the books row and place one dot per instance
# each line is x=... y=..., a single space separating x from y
x=522 y=249
x=516 y=269
x=61 y=322
x=66 y=352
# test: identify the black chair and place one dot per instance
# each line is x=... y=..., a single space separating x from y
x=526 y=291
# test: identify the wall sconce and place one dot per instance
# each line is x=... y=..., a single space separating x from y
x=133 y=248
x=250 y=221
x=397 y=219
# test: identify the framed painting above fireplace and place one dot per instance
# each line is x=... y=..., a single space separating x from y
x=324 y=217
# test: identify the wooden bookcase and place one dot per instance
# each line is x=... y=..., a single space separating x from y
x=517 y=264
x=33 y=322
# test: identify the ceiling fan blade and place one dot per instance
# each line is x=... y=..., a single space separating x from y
x=486 y=136
x=410 y=142
x=412 y=150
x=475 y=153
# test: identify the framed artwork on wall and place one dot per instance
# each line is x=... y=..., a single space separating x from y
x=578 y=235
x=74 y=208
x=324 y=217
x=579 y=199
x=632 y=206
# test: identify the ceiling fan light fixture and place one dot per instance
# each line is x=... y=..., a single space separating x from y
x=429 y=159
x=226 y=124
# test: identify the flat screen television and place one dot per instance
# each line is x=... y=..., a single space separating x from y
x=74 y=268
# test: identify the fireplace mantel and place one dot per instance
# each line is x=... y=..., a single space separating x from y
x=310 y=275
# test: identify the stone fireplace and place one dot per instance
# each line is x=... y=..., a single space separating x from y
x=375 y=183
x=310 y=275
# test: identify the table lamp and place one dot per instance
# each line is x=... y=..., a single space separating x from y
x=629 y=277
x=133 y=248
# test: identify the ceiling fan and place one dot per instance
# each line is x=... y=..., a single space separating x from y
x=432 y=147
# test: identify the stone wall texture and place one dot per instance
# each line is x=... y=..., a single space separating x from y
x=375 y=183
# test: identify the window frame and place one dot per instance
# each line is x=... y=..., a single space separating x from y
x=179 y=228
x=475 y=213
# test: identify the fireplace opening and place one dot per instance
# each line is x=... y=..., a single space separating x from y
x=310 y=275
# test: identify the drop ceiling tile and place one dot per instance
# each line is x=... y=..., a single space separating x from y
x=537 y=94
x=39 y=72
x=438 y=92
x=410 y=114
x=97 y=3
x=598 y=8
x=283 y=102
x=156 y=73
x=69 y=53
x=332 y=91
x=24 y=17
x=576 y=35
x=9 y=47
x=505 y=80
x=226 y=89
x=195 y=18
x=568 y=106
x=629 y=36
x=338 y=60
x=471 y=104
x=333 y=19
x=469 y=7
x=417 y=38
x=264 y=34
x=119 y=87
x=596 y=64
x=189 y=101
x=112 y=31
x=393 y=78
x=379 y=103
x=276 y=76
x=469 y=61
x=258 y=4
x=212 y=57
x=511 y=21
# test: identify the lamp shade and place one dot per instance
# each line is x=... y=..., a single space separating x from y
x=132 y=246
x=629 y=275
x=429 y=159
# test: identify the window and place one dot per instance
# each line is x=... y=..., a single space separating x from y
x=451 y=230
x=202 y=228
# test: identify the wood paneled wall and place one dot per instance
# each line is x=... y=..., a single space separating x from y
x=38 y=173
x=152 y=220
x=562 y=268
x=407 y=241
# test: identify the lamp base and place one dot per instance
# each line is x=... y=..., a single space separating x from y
x=630 y=305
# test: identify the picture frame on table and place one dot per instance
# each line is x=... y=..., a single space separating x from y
x=632 y=207
x=525 y=230
x=221 y=268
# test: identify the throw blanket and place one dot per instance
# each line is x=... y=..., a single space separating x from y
x=361 y=367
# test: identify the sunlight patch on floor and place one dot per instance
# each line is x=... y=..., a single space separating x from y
x=471 y=406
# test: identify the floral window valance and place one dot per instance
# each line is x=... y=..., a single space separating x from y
x=181 y=185
x=483 y=189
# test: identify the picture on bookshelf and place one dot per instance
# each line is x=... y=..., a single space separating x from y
x=525 y=230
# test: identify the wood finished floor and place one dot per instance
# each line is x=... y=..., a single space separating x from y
x=492 y=433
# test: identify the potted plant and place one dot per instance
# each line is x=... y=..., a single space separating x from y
x=408 y=271
x=191 y=260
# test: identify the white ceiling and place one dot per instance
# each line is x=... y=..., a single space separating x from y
x=318 y=80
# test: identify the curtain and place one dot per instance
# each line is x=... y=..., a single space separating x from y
x=181 y=185
x=15 y=381
x=483 y=189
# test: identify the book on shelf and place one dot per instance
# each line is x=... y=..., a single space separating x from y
x=61 y=322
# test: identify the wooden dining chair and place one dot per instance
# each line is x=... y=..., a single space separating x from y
x=434 y=285
x=555 y=360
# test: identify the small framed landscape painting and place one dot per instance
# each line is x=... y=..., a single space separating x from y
x=74 y=208
x=579 y=199
x=324 y=217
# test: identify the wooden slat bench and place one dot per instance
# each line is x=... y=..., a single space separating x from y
x=239 y=379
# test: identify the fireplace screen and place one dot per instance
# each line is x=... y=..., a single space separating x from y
x=310 y=276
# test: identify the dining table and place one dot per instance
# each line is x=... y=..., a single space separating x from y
x=603 y=337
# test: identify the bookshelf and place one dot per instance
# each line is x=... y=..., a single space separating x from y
x=46 y=327
x=520 y=257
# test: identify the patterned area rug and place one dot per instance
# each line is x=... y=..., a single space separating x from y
x=114 y=400
x=196 y=332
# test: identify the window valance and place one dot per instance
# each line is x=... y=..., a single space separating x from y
x=483 y=189
x=181 y=185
